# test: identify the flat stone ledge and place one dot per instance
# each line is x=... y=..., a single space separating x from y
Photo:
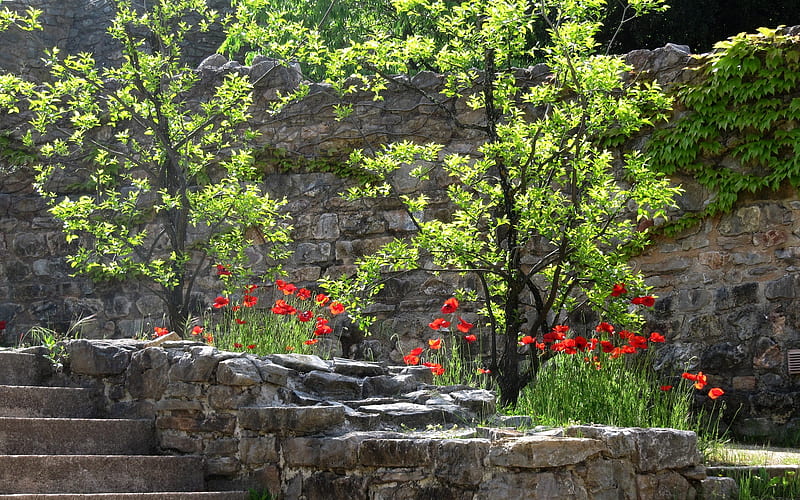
x=299 y=420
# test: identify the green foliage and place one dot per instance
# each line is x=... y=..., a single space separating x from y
x=740 y=131
x=623 y=392
x=27 y=21
x=763 y=486
x=546 y=188
x=167 y=183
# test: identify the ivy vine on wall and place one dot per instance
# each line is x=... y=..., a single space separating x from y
x=736 y=127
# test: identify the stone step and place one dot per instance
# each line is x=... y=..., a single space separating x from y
x=23 y=368
x=76 y=436
x=100 y=474
x=33 y=401
x=161 y=495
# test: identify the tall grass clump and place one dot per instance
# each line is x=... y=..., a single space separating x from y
x=624 y=392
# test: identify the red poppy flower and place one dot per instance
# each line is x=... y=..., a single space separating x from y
x=435 y=344
x=436 y=368
x=279 y=284
x=305 y=316
x=237 y=345
x=638 y=342
x=240 y=321
x=628 y=349
x=470 y=338
x=566 y=346
x=336 y=308
x=715 y=392
x=321 y=299
x=220 y=302
x=657 y=337
x=559 y=332
x=606 y=346
x=625 y=334
x=251 y=346
x=647 y=301
x=209 y=338
x=438 y=324
x=450 y=306
x=665 y=387
x=527 y=339
x=249 y=301
x=618 y=290
x=410 y=359
x=463 y=326
x=197 y=330
x=304 y=294
x=416 y=351
x=282 y=308
x=322 y=330
x=222 y=270
x=288 y=289
x=700 y=380
x=483 y=371
x=160 y=332
x=311 y=341
x=604 y=328
x=581 y=342
x=290 y=348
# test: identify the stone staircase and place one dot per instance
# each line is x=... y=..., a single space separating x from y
x=54 y=446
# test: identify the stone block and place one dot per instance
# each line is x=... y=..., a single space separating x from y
x=189 y=368
x=227 y=397
x=291 y=420
x=535 y=452
x=395 y=452
x=226 y=446
x=300 y=362
x=197 y=422
x=355 y=368
x=273 y=373
x=320 y=453
x=664 y=485
x=333 y=385
x=609 y=478
x=718 y=488
x=222 y=466
x=650 y=449
x=258 y=450
x=530 y=485
x=18 y=368
x=146 y=375
x=460 y=461
x=180 y=442
x=238 y=371
x=99 y=357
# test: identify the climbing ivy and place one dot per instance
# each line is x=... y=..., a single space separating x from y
x=739 y=130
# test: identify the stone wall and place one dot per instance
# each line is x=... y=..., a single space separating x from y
x=306 y=428
x=728 y=288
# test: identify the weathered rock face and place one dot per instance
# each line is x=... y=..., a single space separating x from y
x=285 y=423
x=728 y=301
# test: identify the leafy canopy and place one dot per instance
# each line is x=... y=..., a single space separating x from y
x=544 y=214
x=151 y=174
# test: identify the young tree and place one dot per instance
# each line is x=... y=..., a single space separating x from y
x=150 y=173
x=12 y=85
x=544 y=215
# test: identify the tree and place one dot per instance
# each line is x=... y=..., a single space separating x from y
x=11 y=85
x=149 y=172
x=544 y=215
